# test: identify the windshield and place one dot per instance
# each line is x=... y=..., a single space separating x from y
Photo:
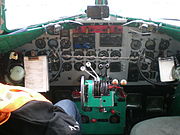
x=22 y=13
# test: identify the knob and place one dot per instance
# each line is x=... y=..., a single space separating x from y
x=93 y=120
x=83 y=68
x=88 y=64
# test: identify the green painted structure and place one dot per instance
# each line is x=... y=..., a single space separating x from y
x=11 y=39
x=104 y=124
x=101 y=101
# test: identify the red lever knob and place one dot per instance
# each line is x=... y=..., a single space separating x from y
x=93 y=120
x=113 y=111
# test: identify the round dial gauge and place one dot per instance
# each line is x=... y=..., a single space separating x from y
x=136 y=44
x=150 y=44
x=54 y=65
x=66 y=55
x=28 y=53
x=164 y=44
x=67 y=66
x=78 y=65
x=53 y=43
x=103 y=54
x=65 y=44
x=52 y=30
x=54 y=62
x=91 y=54
x=149 y=54
x=40 y=43
x=115 y=53
x=40 y=53
x=93 y=65
x=79 y=55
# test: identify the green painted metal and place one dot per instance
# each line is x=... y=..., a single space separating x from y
x=11 y=41
x=104 y=127
x=103 y=124
x=171 y=31
x=101 y=101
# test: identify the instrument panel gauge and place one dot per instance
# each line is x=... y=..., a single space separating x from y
x=51 y=30
x=115 y=54
x=136 y=44
x=79 y=55
x=93 y=65
x=54 y=61
x=31 y=53
x=103 y=54
x=150 y=44
x=41 y=53
x=91 y=54
x=66 y=55
x=65 y=43
x=54 y=65
x=164 y=44
x=53 y=43
x=28 y=53
x=40 y=43
x=149 y=54
x=77 y=66
x=67 y=66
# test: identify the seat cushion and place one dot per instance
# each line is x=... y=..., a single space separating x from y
x=158 y=126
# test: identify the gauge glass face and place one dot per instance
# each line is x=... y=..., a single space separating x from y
x=40 y=43
x=78 y=65
x=110 y=40
x=67 y=66
x=84 y=41
x=164 y=44
x=41 y=53
x=54 y=62
x=93 y=65
x=103 y=54
x=150 y=44
x=115 y=54
x=66 y=55
x=50 y=30
x=53 y=43
x=136 y=44
x=28 y=53
x=149 y=54
x=65 y=44
x=91 y=54
x=79 y=55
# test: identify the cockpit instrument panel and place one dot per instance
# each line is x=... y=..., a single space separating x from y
x=128 y=53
